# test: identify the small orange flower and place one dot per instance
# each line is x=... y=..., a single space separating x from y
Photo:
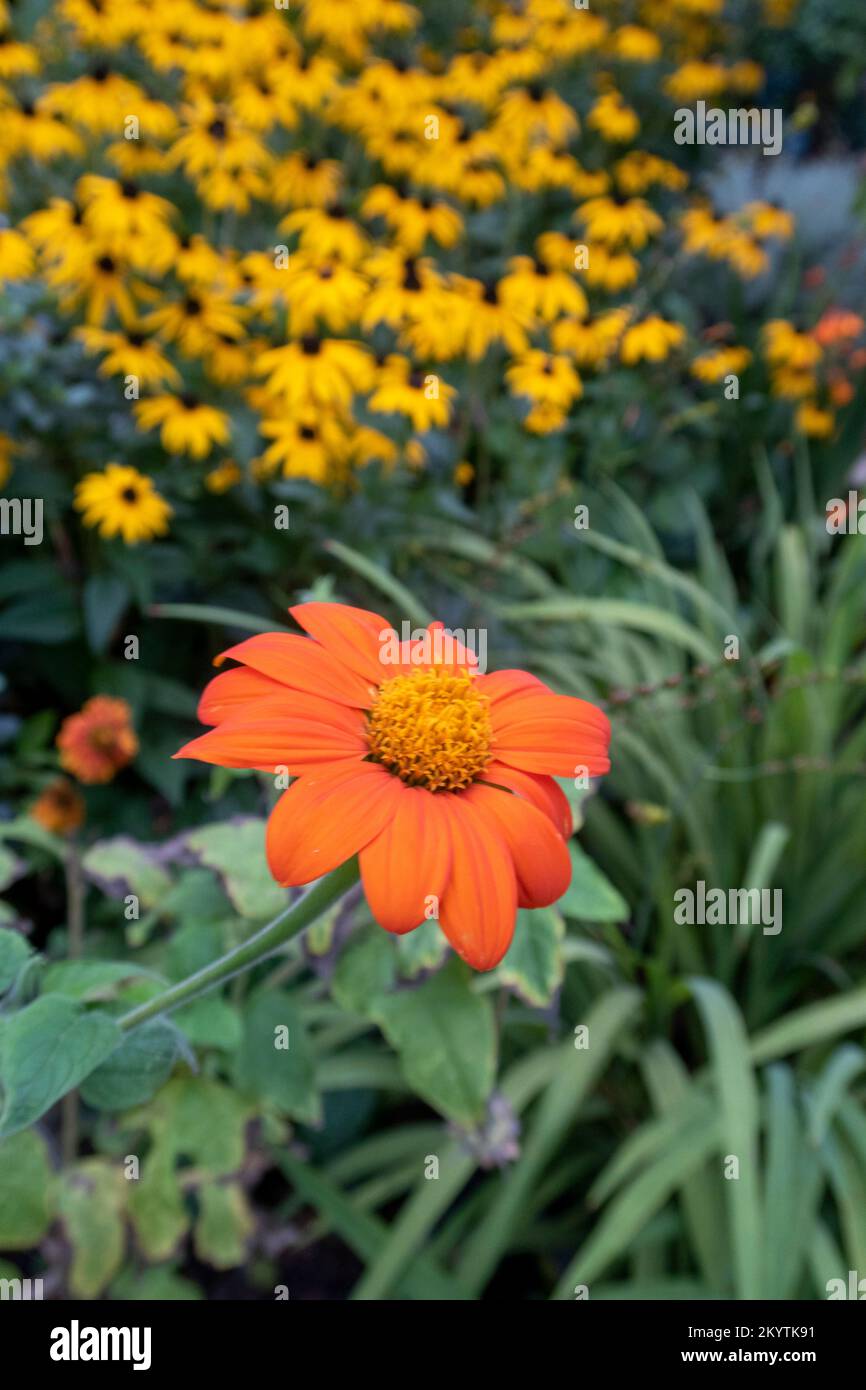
x=99 y=740
x=439 y=777
x=837 y=326
x=59 y=808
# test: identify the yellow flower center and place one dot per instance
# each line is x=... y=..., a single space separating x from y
x=431 y=728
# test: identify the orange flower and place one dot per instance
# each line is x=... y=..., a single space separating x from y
x=837 y=326
x=59 y=808
x=439 y=777
x=99 y=740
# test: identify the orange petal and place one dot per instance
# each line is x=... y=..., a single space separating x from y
x=227 y=693
x=303 y=665
x=354 y=636
x=553 y=734
x=499 y=686
x=275 y=740
x=542 y=791
x=480 y=902
x=538 y=851
x=408 y=862
x=326 y=817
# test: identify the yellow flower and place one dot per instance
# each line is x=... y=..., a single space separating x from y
x=102 y=22
x=487 y=320
x=98 y=279
x=720 y=362
x=405 y=291
x=227 y=161
x=328 y=232
x=413 y=220
x=322 y=291
x=16 y=257
x=769 y=220
x=634 y=44
x=423 y=397
x=785 y=347
x=531 y=115
x=546 y=378
x=120 y=501
x=128 y=220
x=317 y=371
x=198 y=322
x=305 y=181
x=544 y=418
x=610 y=270
x=696 y=79
x=613 y=119
x=30 y=129
x=639 y=170
x=226 y=475
x=652 y=340
x=186 y=424
x=590 y=344
x=813 y=421
x=98 y=101
x=304 y=447
x=130 y=354
x=533 y=288
x=620 y=222
x=463 y=474
x=17 y=59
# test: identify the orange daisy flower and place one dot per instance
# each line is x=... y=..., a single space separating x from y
x=439 y=777
x=99 y=740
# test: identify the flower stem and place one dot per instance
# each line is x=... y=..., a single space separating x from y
x=263 y=944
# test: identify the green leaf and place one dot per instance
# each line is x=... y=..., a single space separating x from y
x=275 y=1062
x=534 y=965
x=135 y=1070
x=365 y=971
x=590 y=897
x=14 y=951
x=122 y=866
x=46 y=1050
x=28 y=1193
x=106 y=596
x=156 y=1206
x=160 y=1285
x=365 y=1234
x=11 y=867
x=814 y=1023
x=224 y=1225
x=211 y=1022
x=421 y=950
x=445 y=1037
x=92 y=1198
x=236 y=851
x=607 y=613
x=48 y=617
x=576 y=1072
x=91 y=980
x=738 y=1126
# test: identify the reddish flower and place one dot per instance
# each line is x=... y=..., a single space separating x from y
x=59 y=808
x=440 y=778
x=99 y=740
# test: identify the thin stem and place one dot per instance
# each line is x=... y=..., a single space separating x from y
x=263 y=944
